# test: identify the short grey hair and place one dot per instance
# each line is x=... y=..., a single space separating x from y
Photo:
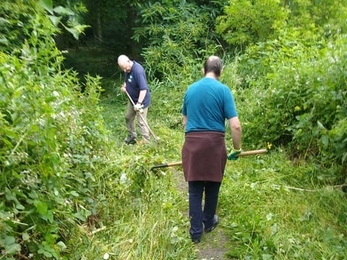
x=213 y=64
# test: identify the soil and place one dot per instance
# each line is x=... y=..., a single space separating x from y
x=213 y=245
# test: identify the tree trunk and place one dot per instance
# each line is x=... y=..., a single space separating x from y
x=98 y=26
x=95 y=20
x=132 y=45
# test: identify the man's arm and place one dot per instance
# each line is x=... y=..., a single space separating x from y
x=142 y=96
x=236 y=132
x=184 y=122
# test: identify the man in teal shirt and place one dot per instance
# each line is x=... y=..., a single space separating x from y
x=207 y=104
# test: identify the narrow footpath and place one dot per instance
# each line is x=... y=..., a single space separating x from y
x=213 y=245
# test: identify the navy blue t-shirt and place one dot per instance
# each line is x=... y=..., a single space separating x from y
x=135 y=82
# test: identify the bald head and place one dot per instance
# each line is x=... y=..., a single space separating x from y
x=213 y=64
x=123 y=59
x=125 y=63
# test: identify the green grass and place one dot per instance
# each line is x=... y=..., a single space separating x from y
x=141 y=212
x=267 y=217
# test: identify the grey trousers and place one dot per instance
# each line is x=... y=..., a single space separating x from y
x=130 y=116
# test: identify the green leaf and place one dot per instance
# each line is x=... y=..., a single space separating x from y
x=73 y=31
x=320 y=125
x=3 y=21
x=19 y=206
x=325 y=140
x=49 y=216
x=82 y=214
x=62 y=245
x=25 y=236
x=33 y=194
x=74 y=193
x=11 y=246
x=9 y=240
x=47 y=4
x=3 y=41
x=41 y=207
x=54 y=19
x=45 y=253
x=63 y=11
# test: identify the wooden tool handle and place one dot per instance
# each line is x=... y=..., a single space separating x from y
x=246 y=153
x=253 y=152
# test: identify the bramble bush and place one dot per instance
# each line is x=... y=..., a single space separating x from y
x=300 y=96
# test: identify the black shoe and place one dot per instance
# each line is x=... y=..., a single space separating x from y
x=214 y=225
x=195 y=240
x=130 y=139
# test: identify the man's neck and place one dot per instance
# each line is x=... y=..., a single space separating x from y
x=211 y=75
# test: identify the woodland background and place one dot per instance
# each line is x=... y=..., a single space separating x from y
x=70 y=188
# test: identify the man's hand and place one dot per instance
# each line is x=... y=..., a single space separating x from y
x=234 y=155
x=123 y=88
x=138 y=107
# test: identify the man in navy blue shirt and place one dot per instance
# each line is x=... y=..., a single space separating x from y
x=135 y=84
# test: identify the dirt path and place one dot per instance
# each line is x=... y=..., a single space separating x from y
x=213 y=245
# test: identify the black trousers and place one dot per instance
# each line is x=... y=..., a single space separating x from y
x=201 y=216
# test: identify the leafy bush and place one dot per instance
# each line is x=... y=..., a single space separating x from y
x=300 y=94
x=177 y=35
x=309 y=16
x=244 y=23
x=52 y=136
x=247 y=22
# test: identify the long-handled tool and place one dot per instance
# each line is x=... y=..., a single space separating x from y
x=144 y=121
x=246 y=153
